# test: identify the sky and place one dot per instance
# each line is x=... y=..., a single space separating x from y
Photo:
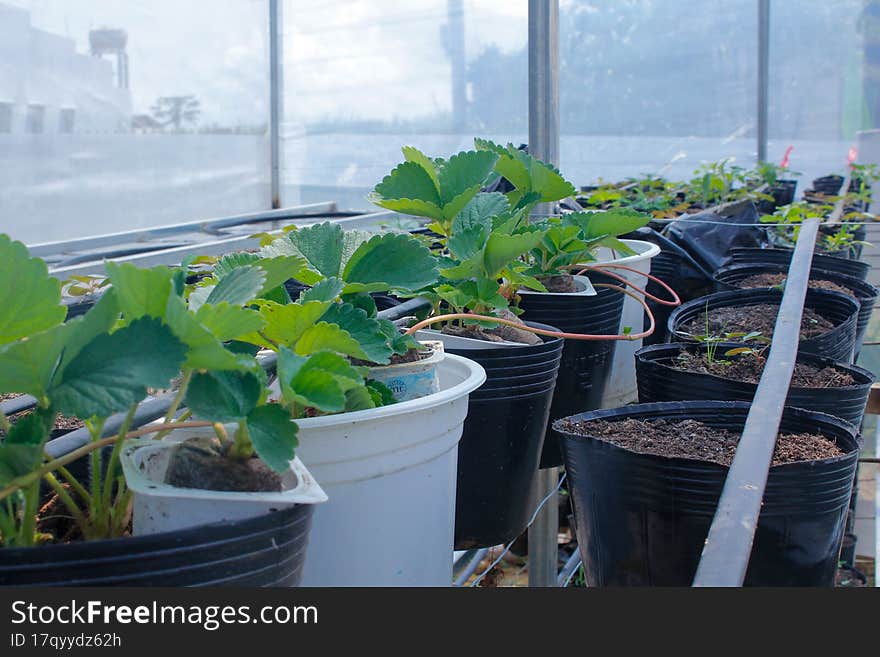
x=343 y=59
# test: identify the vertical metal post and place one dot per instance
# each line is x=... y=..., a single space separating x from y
x=276 y=100
x=544 y=144
x=763 y=76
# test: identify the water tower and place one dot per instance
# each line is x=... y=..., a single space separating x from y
x=109 y=41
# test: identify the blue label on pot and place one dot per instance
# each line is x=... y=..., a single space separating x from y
x=410 y=385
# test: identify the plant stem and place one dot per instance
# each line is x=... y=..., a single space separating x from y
x=121 y=514
x=73 y=482
x=242 y=449
x=178 y=399
x=95 y=474
x=69 y=502
x=29 y=519
x=114 y=457
x=24 y=480
x=7 y=525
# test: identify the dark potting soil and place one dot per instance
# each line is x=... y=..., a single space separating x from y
x=500 y=333
x=6 y=396
x=694 y=440
x=774 y=280
x=203 y=464
x=561 y=283
x=760 y=318
x=62 y=422
x=748 y=368
x=55 y=524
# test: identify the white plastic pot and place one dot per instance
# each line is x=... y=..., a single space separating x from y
x=621 y=388
x=412 y=380
x=159 y=507
x=587 y=291
x=390 y=474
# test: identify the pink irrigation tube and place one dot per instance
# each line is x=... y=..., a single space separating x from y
x=553 y=334
x=676 y=301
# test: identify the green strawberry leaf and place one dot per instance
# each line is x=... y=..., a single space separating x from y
x=28 y=366
x=33 y=429
x=17 y=460
x=101 y=318
x=359 y=399
x=140 y=291
x=273 y=436
x=381 y=394
x=228 y=263
x=223 y=396
x=413 y=154
x=480 y=210
x=238 y=287
x=285 y=325
x=111 y=372
x=409 y=180
x=367 y=331
x=205 y=350
x=410 y=206
x=323 y=336
x=29 y=297
x=228 y=322
x=397 y=260
x=613 y=222
x=501 y=250
x=461 y=173
x=327 y=290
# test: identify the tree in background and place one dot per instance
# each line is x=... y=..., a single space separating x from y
x=176 y=111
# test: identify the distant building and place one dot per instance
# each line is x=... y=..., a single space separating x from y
x=46 y=87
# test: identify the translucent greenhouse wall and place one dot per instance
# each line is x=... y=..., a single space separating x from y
x=85 y=149
x=147 y=112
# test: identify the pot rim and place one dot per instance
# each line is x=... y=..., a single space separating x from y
x=475 y=377
x=655 y=410
x=306 y=491
x=644 y=353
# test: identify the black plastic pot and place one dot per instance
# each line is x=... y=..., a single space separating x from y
x=586 y=364
x=854 y=252
x=745 y=256
x=659 y=381
x=841 y=309
x=642 y=519
x=782 y=191
x=829 y=185
x=268 y=550
x=728 y=278
x=501 y=442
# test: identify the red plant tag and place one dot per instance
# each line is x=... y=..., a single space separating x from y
x=784 y=163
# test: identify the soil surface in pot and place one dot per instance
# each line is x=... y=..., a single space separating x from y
x=500 y=333
x=694 y=440
x=774 y=280
x=55 y=524
x=62 y=422
x=6 y=396
x=759 y=318
x=748 y=368
x=561 y=283
x=203 y=463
